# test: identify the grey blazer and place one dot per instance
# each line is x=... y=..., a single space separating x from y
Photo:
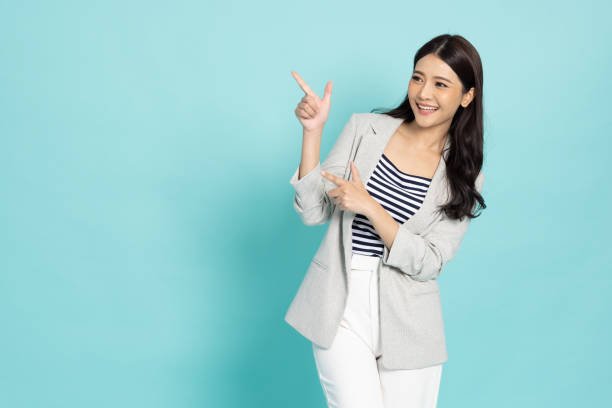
x=411 y=323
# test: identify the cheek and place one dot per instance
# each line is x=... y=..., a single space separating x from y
x=411 y=89
x=452 y=101
x=449 y=103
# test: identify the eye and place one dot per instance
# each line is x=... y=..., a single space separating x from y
x=416 y=78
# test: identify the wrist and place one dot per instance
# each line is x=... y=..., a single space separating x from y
x=313 y=133
x=372 y=208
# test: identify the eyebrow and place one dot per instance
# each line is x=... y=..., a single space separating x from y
x=439 y=77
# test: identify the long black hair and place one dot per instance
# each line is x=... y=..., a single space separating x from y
x=465 y=157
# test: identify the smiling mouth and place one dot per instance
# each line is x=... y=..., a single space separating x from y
x=426 y=108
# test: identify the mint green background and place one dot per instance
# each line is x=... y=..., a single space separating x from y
x=148 y=245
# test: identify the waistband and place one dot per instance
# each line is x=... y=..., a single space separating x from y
x=364 y=262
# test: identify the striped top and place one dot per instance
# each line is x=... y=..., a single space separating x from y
x=401 y=195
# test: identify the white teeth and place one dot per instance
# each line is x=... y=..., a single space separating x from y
x=426 y=108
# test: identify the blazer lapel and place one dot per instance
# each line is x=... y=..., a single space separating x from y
x=373 y=143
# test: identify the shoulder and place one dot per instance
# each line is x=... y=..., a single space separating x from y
x=363 y=120
x=367 y=116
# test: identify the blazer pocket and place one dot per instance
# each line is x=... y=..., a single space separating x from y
x=426 y=317
x=423 y=288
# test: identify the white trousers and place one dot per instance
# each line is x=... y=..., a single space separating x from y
x=350 y=370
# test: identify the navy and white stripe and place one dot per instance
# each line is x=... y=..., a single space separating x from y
x=400 y=194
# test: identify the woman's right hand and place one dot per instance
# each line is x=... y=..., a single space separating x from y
x=312 y=111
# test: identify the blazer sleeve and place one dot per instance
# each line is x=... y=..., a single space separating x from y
x=311 y=201
x=423 y=257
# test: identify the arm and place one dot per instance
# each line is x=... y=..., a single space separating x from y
x=422 y=257
x=310 y=200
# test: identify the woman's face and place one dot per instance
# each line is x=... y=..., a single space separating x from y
x=435 y=84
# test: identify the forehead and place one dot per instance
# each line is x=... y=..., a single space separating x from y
x=432 y=65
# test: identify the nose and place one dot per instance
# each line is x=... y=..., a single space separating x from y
x=426 y=92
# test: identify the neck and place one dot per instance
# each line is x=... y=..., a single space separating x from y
x=431 y=139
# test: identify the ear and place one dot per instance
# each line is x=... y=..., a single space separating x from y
x=467 y=98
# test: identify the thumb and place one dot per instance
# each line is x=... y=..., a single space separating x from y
x=327 y=92
x=355 y=176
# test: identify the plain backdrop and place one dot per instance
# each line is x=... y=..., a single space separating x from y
x=148 y=244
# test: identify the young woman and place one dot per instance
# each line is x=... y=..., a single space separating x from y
x=399 y=189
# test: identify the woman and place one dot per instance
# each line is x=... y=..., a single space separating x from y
x=399 y=189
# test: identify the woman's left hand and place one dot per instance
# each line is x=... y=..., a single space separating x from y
x=350 y=194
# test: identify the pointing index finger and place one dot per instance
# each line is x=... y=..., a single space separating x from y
x=332 y=177
x=302 y=83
